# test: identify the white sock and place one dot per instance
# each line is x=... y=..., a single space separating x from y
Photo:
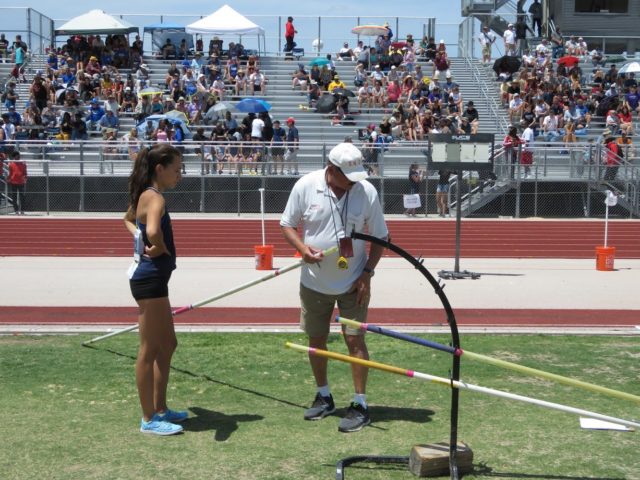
x=324 y=390
x=360 y=398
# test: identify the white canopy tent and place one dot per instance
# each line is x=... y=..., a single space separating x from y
x=96 y=22
x=226 y=21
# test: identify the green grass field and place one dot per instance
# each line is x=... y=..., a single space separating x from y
x=72 y=412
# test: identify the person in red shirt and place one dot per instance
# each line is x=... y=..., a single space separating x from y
x=612 y=158
x=17 y=180
x=289 y=33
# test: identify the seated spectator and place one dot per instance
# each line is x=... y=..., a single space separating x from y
x=231 y=69
x=516 y=106
x=625 y=120
x=346 y=53
x=49 y=116
x=129 y=100
x=378 y=95
x=183 y=49
x=365 y=96
x=79 y=128
x=393 y=91
x=336 y=83
x=188 y=83
x=197 y=64
x=471 y=114
x=550 y=129
x=218 y=87
x=258 y=82
x=325 y=77
x=215 y=46
x=10 y=96
x=168 y=50
x=313 y=93
x=597 y=57
x=240 y=84
x=377 y=75
x=299 y=78
x=93 y=67
x=358 y=49
x=360 y=75
x=409 y=58
x=109 y=121
x=14 y=116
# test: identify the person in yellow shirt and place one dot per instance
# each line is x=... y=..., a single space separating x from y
x=336 y=83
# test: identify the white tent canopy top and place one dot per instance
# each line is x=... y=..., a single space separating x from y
x=96 y=22
x=224 y=21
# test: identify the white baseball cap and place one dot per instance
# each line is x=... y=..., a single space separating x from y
x=348 y=158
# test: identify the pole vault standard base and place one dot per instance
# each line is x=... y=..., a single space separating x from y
x=450 y=453
x=430 y=460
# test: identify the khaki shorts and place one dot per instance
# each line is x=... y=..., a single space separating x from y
x=317 y=311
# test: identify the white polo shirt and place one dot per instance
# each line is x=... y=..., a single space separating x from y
x=314 y=209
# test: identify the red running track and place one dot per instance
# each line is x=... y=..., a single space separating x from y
x=289 y=316
x=24 y=236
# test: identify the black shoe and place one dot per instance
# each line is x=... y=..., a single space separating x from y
x=320 y=408
x=356 y=419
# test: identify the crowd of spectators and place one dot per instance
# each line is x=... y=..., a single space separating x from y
x=553 y=96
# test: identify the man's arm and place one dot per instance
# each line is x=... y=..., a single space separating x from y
x=308 y=253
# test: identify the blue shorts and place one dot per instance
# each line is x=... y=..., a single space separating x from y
x=442 y=188
x=156 y=286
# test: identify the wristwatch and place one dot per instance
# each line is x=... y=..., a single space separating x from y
x=370 y=271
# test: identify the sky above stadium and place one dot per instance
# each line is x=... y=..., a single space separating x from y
x=338 y=17
x=446 y=10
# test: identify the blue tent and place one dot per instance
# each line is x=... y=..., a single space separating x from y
x=164 y=26
x=161 y=31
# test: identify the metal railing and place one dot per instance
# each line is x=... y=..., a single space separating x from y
x=490 y=97
x=35 y=27
x=91 y=176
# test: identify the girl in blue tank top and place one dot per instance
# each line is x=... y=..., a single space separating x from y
x=155 y=170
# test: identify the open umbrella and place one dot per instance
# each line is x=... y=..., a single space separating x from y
x=177 y=115
x=632 y=67
x=327 y=103
x=344 y=92
x=253 y=105
x=222 y=107
x=150 y=91
x=155 y=119
x=319 y=61
x=370 y=30
x=506 y=64
x=568 y=61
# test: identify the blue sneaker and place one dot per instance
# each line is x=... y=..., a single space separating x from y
x=155 y=426
x=173 y=416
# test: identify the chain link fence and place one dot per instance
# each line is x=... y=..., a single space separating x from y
x=224 y=178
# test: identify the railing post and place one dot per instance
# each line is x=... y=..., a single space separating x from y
x=319 y=37
x=202 y=193
x=279 y=49
x=238 y=190
x=48 y=193
x=381 y=175
x=517 y=206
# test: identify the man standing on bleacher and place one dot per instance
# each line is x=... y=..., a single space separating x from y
x=289 y=33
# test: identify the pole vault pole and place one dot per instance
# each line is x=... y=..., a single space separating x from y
x=490 y=360
x=459 y=384
x=239 y=288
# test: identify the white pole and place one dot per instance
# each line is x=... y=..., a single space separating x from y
x=261 y=190
x=239 y=288
x=512 y=396
x=606 y=219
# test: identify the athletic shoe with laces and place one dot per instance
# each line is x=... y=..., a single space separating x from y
x=173 y=416
x=356 y=419
x=155 y=426
x=320 y=408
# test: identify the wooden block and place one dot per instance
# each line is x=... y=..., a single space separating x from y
x=432 y=460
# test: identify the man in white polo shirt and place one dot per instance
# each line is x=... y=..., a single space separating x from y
x=328 y=205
